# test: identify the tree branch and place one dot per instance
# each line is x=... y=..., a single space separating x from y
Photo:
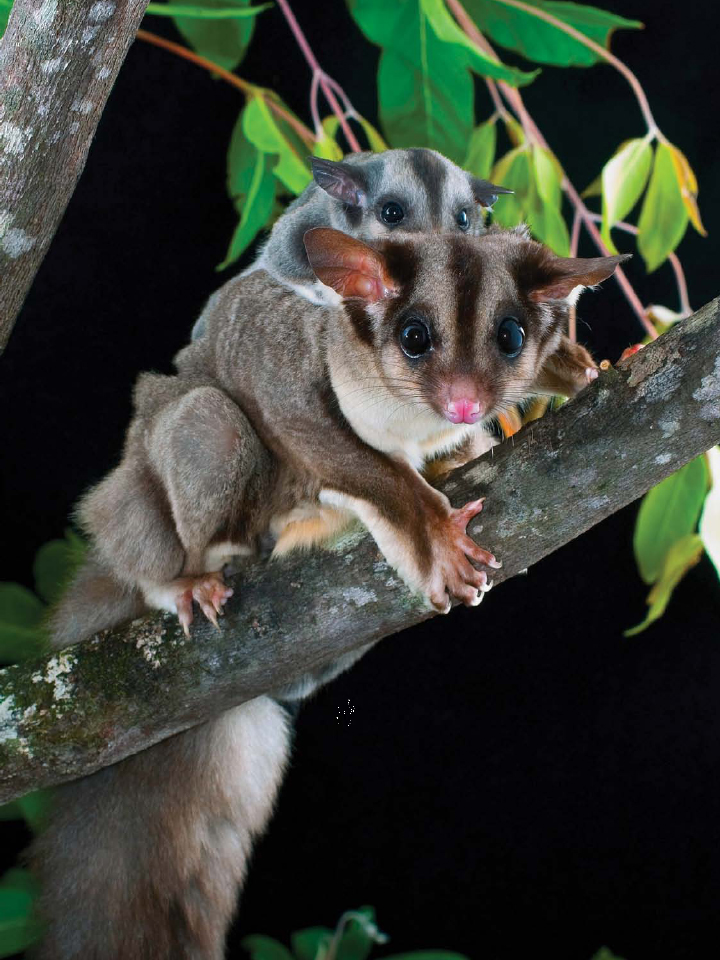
x=58 y=63
x=125 y=690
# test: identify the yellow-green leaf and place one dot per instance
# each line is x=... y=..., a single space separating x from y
x=513 y=172
x=664 y=217
x=260 y=127
x=688 y=187
x=544 y=202
x=623 y=180
x=255 y=207
x=481 y=150
x=669 y=512
x=328 y=148
x=514 y=131
x=374 y=139
x=682 y=556
x=710 y=519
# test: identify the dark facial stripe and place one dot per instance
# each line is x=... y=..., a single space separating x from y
x=353 y=215
x=465 y=268
x=361 y=321
x=403 y=264
x=432 y=174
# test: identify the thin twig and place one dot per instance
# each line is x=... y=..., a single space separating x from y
x=320 y=73
x=685 y=308
x=599 y=50
x=249 y=89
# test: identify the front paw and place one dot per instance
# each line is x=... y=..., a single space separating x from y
x=452 y=575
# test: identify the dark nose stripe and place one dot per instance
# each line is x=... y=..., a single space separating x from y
x=465 y=268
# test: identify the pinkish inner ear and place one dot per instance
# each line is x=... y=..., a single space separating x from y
x=566 y=273
x=350 y=267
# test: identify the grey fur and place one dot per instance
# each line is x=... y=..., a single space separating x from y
x=431 y=189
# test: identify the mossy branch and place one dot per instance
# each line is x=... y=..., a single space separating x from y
x=124 y=690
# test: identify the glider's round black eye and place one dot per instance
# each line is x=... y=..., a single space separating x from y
x=463 y=221
x=415 y=339
x=510 y=337
x=392 y=212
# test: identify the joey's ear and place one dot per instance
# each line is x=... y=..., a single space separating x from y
x=566 y=371
x=560 y=275
x=342 y=181
x=350 y=267
x=486 y=193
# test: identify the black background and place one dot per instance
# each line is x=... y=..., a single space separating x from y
x=506 y=781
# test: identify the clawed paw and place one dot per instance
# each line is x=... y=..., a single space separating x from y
x=453 y=573
x=208 y=590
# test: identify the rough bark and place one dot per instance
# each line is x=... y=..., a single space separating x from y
x=58 y=63
x=124 y=690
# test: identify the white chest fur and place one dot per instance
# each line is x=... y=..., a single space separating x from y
x=398 y=423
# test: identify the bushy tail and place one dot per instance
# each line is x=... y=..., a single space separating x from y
x=143 y=860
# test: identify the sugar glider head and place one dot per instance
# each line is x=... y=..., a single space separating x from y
x=460 y=325
x=414 y=190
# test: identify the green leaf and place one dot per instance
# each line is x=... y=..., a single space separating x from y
x=55 y=563
x=222 y=41
x=543 y=42
x=668 y=513
x=374 y=139
x=21 y=643
x=424 y=84
x=252 y=184
x=19 y=606
x=709 y=528
x=544 y=201
x=448 y=31
x=33 y=808
x=663 y=217
x=605 y=954
x=18 y=878
x=513 y=172
x=681 y=557
x=265 y=948
x=261 y=129
x=481 y=150
x=180 y=10
x=623 y=180
x=18 y=929
x=307 y=944
x=5 y=8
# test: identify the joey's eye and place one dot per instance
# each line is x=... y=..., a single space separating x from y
x=463 y=221
x=510 y=337
x=415 y=339
x=392 y=212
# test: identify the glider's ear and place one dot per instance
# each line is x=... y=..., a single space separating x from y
x=349 y=266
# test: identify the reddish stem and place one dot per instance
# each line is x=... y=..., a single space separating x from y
x=318 y=71
x=248 y=89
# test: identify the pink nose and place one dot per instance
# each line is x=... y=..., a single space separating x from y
x=463 y=411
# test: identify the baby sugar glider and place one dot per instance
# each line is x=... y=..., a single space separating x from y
x=369 y=195
x=280 y=407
